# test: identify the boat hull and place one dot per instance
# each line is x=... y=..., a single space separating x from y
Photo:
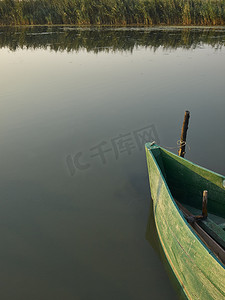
x=199 y=272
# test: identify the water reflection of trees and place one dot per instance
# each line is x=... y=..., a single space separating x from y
x=108 y=39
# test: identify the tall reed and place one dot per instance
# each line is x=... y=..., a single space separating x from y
x=112 y=12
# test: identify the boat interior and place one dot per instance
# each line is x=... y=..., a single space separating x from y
x=187 y=182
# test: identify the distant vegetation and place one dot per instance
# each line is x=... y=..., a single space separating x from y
x=112 y=12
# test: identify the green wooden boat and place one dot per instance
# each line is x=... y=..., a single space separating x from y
x=194 y=246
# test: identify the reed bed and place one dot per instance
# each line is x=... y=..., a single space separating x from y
x=112 y=12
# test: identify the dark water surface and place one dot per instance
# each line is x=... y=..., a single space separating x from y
x=77 y=105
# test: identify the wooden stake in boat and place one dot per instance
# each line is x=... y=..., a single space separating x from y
x=181 y=151
x=204 y=204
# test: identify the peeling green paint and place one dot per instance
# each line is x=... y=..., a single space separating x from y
x=199 y=272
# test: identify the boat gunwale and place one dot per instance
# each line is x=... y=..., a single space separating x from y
x=190 y=162
x=155 y=146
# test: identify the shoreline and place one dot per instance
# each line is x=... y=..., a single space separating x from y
x=120 y=26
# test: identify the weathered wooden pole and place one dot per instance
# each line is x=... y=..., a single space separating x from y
x=204 y=204
x=181 y=151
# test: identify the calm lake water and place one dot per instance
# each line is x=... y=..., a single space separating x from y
x=77 y=106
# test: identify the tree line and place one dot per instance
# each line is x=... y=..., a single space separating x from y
x=112 y=12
